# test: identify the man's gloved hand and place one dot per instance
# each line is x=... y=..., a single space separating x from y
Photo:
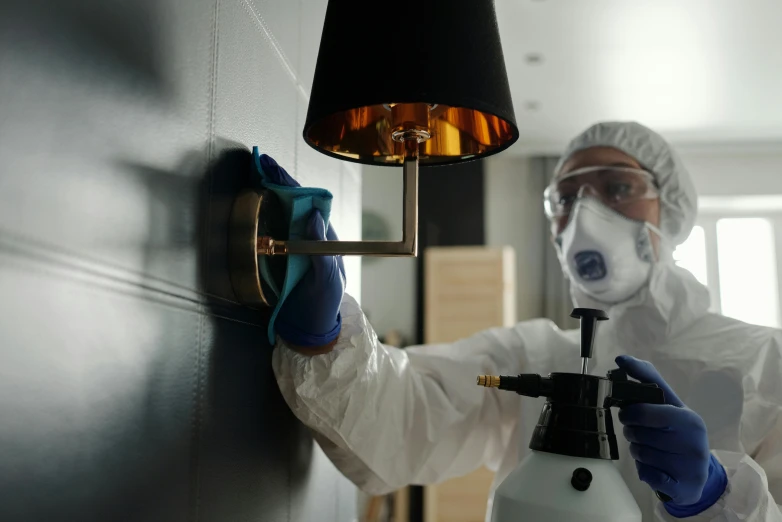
x=670 y=445
x=310 y=317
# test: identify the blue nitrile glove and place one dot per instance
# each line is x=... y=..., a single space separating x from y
x=670 y=446
x=310 y=316
x=280 y=176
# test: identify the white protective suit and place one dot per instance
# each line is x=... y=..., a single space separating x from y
x=388 y=417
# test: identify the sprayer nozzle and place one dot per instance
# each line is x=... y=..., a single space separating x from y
x=489 y=381
x=529 y=384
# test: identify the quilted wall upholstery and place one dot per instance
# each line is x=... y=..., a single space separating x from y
x=132 y=386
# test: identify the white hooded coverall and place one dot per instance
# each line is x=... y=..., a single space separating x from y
x=388 y=417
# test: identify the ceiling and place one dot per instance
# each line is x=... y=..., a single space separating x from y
x=702 y=72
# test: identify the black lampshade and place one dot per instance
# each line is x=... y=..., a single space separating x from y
x=434 y=65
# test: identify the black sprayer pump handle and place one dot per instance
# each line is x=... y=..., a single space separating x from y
x=625 y=392
x=589 y=318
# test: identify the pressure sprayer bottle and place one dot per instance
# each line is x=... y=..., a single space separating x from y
x=569 y=474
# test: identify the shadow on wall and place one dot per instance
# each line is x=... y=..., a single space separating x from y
x=127 y=36
x=251 y=452
x=189 y=209
x=248 y=453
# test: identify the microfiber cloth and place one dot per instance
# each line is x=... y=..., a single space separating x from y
x=297 y=204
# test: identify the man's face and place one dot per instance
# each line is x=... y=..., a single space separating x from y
x=642 y=209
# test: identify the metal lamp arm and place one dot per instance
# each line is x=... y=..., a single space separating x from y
x=408 y=247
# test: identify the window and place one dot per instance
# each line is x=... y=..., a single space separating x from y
x=734 y=254
x=748 y=270
x=692 y=255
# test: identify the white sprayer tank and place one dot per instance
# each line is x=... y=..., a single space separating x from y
x=540 y=490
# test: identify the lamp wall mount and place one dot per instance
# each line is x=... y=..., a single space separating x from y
x=257 y=226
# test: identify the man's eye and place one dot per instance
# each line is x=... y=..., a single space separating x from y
x=566 y=200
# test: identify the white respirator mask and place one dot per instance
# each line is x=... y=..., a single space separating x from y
x=604 y=254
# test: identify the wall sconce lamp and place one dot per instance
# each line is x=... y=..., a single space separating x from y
x=397 y=82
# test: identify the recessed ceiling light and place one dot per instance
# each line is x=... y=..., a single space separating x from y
x=534 y=58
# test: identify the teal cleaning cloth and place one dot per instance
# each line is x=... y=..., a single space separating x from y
x=297 y=203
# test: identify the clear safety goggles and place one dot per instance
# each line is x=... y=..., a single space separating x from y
x=615 y=187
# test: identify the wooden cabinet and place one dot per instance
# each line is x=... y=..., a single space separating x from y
x=466 y=290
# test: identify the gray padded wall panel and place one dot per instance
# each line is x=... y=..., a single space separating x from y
x=131 y=386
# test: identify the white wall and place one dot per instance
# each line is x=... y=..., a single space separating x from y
x=735 y=171
x=514 y=216
x=387 y=284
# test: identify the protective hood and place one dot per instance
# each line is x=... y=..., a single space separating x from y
x=673 y=298
x=678 y=199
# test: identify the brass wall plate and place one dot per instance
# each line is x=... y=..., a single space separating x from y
x=255 y=213
x=242 y=238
